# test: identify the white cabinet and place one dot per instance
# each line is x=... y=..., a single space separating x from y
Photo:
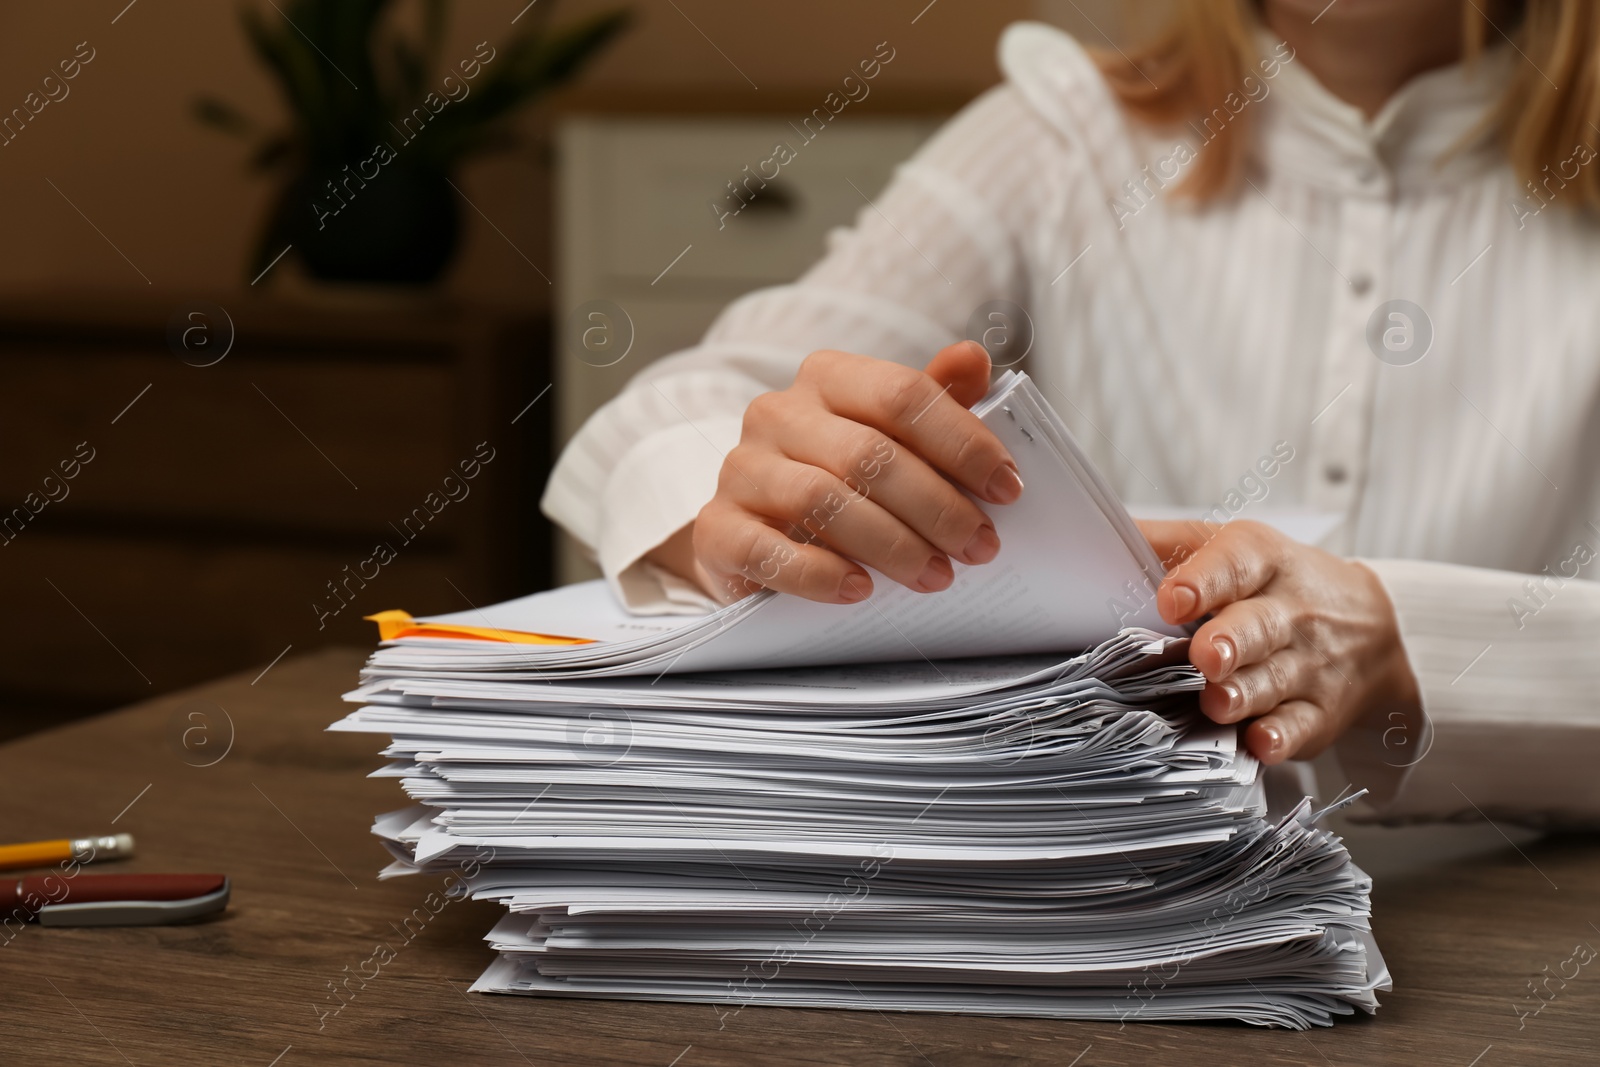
x=662 y=221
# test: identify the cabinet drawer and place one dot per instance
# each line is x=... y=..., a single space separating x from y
x=155 y=617
x=652 y=186
x=276 y=443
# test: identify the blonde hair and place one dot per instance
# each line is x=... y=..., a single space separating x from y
x=1551 y=104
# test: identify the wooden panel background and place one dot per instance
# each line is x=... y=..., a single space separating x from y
x=221 y=500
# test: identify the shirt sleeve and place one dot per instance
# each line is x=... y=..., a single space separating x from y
x=939 y=242
x=1509 y=670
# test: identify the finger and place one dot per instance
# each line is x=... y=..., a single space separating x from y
x=865 y=532
x=963 y=368
x=919 y=412
x=868 y=464
x=1296 y=730
x=1257 y=689
x=1175 y=541
x=737 y=550
x=811 y=505
x=1240 y=634
x=1235 y=564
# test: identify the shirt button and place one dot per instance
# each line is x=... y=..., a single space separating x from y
x=1335 y=473
x=1360 y=283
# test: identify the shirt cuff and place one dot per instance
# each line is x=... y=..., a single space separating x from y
x=656 y=489
x=1507 y=731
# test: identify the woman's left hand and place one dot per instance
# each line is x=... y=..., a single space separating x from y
x=1300 y=641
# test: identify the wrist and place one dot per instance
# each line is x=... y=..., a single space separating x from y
x=677 y=555
x=1392 y=684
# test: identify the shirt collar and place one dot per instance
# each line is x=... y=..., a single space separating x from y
x=1307 y=131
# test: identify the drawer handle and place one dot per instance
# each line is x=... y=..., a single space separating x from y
x=777 y=199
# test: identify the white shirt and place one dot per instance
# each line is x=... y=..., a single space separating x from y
x=1183 y=345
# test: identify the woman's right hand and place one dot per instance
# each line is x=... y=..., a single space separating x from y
x=853 y=464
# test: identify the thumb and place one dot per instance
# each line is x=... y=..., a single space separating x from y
x=963 y=368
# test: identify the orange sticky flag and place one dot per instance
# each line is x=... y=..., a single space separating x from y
x=396 y=624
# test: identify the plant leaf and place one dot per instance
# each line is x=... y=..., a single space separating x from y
x=272 y=151
x=214 y=111
x=435 y=13
x=346 y=82
x=528 y=66
x=410 y=71
x=297 y=77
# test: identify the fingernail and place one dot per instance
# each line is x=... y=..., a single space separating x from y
x=1235 y=695
x=854 y=588
x=1184 y=601
x=1274 y=738
x=1225 y=653
x=936 y=575
x=1005 y=484
x=983 y=547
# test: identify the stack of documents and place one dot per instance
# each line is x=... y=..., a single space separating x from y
x=919 y=802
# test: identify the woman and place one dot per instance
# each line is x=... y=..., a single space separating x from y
x=1210 y=238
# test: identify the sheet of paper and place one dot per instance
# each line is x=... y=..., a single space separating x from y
x=1072 y=572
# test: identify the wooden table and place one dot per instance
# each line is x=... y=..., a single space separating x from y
x=285 y=811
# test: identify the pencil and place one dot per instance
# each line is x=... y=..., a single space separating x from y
x=81 y=849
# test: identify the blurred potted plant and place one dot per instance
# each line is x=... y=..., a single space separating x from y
x=377 y=128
